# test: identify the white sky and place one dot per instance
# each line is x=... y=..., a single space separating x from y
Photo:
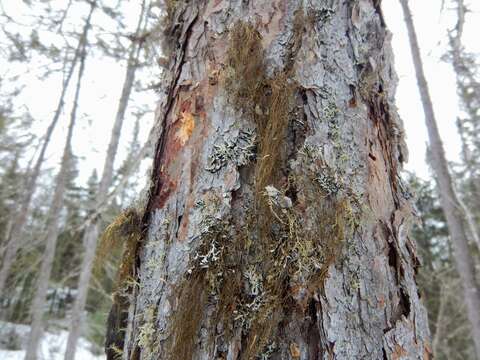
x=431 y=26
x=104 y=80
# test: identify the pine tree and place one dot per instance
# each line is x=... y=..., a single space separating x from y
x=39 y=301
x=92 y=230
x=276 y=225
x=15 y=240
x=454 y=210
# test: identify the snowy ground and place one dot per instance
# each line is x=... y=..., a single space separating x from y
x=52 y=346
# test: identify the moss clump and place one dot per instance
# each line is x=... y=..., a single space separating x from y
x=245 y=77
x=125 y=231
x=187 y=317
x=146 y=336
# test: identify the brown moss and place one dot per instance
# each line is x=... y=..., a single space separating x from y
x=193 y=292
x=125 y=231
x=267 y=101
x=245 y=79
x=186 y=320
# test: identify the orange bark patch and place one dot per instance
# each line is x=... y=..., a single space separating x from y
x=399 y=352
x=295 y=351
x=187 y=124
x=427 y=352
x=381 y=301
x=167 y=188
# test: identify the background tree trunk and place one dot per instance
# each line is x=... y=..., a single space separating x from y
x=40 y=299
x=454 y=210
x=92 y=230
x=276 y=226
x=468 y=89
x=15 y=235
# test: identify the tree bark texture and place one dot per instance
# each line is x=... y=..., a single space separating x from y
x=276 y=226
x=454 y=210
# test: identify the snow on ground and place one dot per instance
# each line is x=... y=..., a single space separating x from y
x=52 y=346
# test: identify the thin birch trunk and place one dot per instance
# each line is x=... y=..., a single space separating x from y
x=454 y=212
x=40 y=297
x=275 y=227
x=15 y=239
x=92 y=230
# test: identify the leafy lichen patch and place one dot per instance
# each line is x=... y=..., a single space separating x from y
x=241 y=151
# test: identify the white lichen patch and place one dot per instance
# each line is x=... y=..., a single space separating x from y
x=276 y=197
x=209 y=258
x=239 y=150
x=254 y=281
x=328 y=182
x=270 y=349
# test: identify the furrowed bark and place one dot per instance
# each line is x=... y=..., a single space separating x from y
x=452 y=207
x=40 y=297
x=276 y=226
x=92 y=230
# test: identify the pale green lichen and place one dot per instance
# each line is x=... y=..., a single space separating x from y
x=147 y=332
x=240 y=151
x=330 y=111
x=269 y=350
x=328 y=181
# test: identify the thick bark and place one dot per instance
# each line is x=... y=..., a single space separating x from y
x=15 y=237
x=92 y=230
x=276 y=226
x=454 y=212
x=40 y=297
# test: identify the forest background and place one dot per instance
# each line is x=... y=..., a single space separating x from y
x=45 y=43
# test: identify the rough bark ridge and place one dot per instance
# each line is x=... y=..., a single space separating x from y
x=276 y=226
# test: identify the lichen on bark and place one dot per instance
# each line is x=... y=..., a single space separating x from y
x=299 y=252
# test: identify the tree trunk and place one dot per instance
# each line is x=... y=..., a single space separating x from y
x=92 y=230
x=276 y=226
x=465 y=72
x=454 y=212
x=15 y=237
x=40 y=297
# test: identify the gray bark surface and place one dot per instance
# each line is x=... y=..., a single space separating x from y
x=452 y=207
x=226 y=268
x=92 y=230
x=40 y=297
x=14 y=240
